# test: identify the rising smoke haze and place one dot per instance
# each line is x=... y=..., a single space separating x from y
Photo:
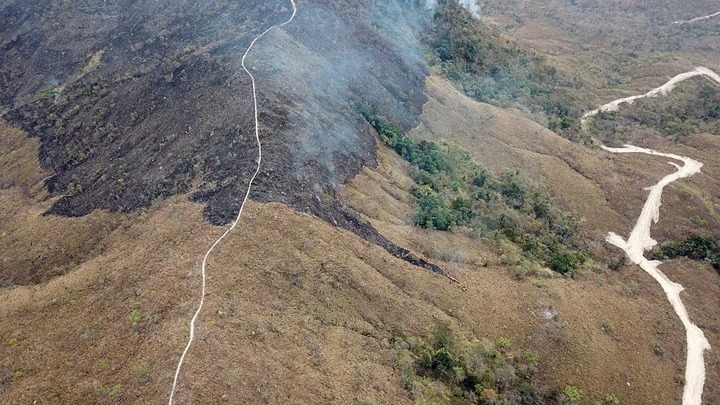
x=470 y=5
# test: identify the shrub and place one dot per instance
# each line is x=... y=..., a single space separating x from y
x=141 y=373
x=694 y=247
x=453 y=191
x=503 y=343
x=609 y=328
x=135 y=317
x=611 y=399
x=466 y=371
x=531 y=358
x=116 y=390
x=573 y=394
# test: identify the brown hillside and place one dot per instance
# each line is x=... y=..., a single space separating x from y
x=606 y=191
x=299 y=311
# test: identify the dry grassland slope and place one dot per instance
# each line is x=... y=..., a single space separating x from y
x=299 y=311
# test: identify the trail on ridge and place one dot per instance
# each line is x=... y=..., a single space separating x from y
x=640 y=240
x=705 y=17
x=242 y=206
x=659 y=91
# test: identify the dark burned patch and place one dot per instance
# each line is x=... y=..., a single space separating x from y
x=169 y=109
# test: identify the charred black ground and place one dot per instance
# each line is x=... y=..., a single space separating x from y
x=134 y=102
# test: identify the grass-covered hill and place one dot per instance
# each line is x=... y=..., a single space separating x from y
x=397 y=139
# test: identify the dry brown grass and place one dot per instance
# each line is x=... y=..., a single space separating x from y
x=36 y=248
x=299 y=311
x=573 y=346
x=76 y=337
x=503 y=140
x=542 y=35
x=19 y=165
x=607 y=191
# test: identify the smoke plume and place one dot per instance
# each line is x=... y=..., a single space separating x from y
x=471 y=5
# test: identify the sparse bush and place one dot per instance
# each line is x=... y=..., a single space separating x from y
x=531 y=358
x=464 y=372
x=609 y=328
x=618 y=264
x=611 y=399
x=503 y=343
x=93 y=61
x=116 y=391
x=558 y=331
x=135 y=317
x=694 y=247
x=573 y=394
x=452 y=192
x=141 y=373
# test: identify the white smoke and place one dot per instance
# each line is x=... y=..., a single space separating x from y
x=471 y=5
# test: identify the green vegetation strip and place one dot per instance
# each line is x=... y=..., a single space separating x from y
x=495 y=69
x=694 y=247
x=446 y=369
x=452 y=191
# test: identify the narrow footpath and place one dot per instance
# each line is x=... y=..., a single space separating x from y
x=705 y=17
x=242 y=206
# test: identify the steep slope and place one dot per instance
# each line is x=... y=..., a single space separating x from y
x=32 y=252
x=301 y=311
x=306 y=297
x=602 y=191
x=590 y=182
x=126 y=116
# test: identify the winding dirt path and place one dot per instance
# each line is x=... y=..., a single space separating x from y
x=659 y=91
x=242 y=206
x=640 y=240
x=705 y=17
